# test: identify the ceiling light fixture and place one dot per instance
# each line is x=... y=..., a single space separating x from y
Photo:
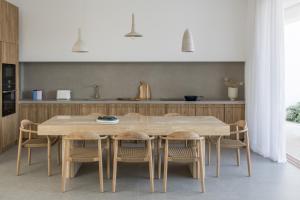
x=187 y=42
x=132 y=33
x=80 y=46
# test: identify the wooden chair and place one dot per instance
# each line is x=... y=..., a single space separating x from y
x=191 y=154
x=132 y=114
x=29 y=139
x=237 y=129
x=83 y=155
x=160 y=146
x=132 y=154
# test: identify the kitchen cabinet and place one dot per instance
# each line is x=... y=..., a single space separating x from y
x=9 y=22
x=9 y=53
x=182 y=109
x=151 y=109
x=9 y=33
x=87 y=109
x=121 y=109
x=216 y=110
x=39 y=112
x=234 y=113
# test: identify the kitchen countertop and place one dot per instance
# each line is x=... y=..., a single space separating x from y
x=113 y=101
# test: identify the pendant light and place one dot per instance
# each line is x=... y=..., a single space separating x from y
x=80 y=46
x=132 y=33
x=187 y=42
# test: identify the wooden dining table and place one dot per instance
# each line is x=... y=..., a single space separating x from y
x=151 y=125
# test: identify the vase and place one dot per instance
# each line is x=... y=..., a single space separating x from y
x=233 y=93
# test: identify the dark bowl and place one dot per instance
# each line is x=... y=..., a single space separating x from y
x=191 y=98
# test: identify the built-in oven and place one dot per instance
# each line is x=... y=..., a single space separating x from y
x=8 y=89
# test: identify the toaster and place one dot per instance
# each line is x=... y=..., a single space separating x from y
x=63 y=94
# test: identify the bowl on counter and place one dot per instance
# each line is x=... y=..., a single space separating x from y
x=192 y=98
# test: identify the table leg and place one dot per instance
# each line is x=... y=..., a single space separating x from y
x=71 y=168
x=203 y=156
x=218 y=152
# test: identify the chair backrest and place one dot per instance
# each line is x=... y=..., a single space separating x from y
x=133 y=115
x=171 y=115
x=183 y=135
x=242 y=124
x=84 y=136
x=240 y=127
x=132 y=136
x=26 y=124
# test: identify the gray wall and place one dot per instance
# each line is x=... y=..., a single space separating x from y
x=167 y=80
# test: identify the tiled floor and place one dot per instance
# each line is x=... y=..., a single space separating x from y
x=269 y=181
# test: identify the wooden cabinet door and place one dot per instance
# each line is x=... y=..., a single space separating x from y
x=63 y=109
x=216 y=110
x=121 y=109
x=1 y=18
x=182 y=109
x=9 y=22
x=9 y=53
x=151 y=109
x=87 y=109
x=234 y=112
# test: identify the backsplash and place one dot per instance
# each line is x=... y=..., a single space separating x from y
x=121 y=80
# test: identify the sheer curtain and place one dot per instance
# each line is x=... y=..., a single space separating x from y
x=264 y=77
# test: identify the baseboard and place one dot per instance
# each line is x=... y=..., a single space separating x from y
x=294 y=161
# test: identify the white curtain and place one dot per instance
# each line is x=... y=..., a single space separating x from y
x=264 y=77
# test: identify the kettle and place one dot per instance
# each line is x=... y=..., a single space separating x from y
x=144 y=92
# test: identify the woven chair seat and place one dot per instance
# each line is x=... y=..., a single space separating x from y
x=228 y=143
x=182 y=153
x=84 y=154
x=132 y=153
x=39 y=142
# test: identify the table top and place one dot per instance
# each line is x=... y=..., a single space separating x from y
x=151 y=125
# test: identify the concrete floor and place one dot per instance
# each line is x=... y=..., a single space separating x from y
x=269 y=181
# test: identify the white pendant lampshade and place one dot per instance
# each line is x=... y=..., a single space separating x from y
x=187 y=42
x=132 y=33
x=80 y=46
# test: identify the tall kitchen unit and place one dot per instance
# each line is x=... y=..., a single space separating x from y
x=9 y=74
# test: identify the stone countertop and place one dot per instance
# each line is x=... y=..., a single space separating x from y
x=109 y=101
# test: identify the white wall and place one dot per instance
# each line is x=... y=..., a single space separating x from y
x=49 y=29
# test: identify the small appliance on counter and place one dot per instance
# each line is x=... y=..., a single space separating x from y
x=37 y=95
x=8 y=89
x=193 y=98
x=144 y=92
x=107 y=119
x=63 y=94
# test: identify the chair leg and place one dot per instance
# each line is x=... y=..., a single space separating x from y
x=108 y=158
x=29 y=156
x=165 y=167
x=238 y=157
x=218 y=150
x=19 y=154
x=158 y=158
x=151 y=167
x=59 y=152
x=100 y=168
x=249 y=161
x=115 y=163
x=208 y=151
x=49 y=157
x=64 y=168
x=201 y=167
